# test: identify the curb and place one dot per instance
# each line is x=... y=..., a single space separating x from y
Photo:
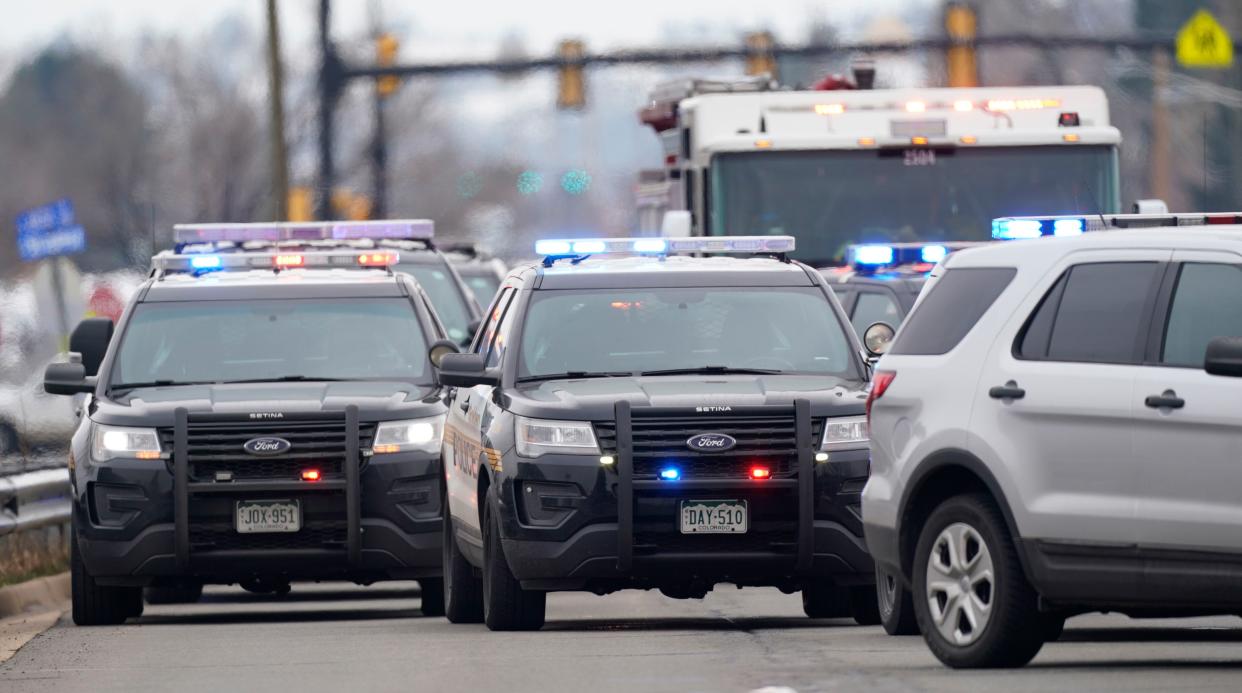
x=33 y=596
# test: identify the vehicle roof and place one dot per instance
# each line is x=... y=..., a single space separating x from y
x=1050 y=248
x=265 y=283
x=841 y=276
x=667 y=271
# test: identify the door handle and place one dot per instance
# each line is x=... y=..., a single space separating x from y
x=1165 y=400
x=1009 y=390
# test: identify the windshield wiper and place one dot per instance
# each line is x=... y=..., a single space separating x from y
x=282 y=379
x=575 y=375
x=154 y=383
x=713 y=370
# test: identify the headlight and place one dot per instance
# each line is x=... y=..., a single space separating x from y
x=537 y=437
x=412 y=434
x=844 y=433
x=110 y=442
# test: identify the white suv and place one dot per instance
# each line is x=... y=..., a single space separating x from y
x=1056 y=430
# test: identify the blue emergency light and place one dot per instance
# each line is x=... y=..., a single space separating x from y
x=871 y=257
x=1013 y=228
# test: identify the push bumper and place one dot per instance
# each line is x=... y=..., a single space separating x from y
x=573 y=525
x=136 y=522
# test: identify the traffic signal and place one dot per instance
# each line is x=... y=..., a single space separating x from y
x=301 y=204
x=759 y=57
x=961 y=25
x=386 y=46
x=571 y=89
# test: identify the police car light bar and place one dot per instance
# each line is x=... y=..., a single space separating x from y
x=1015 y=228
x=402 y=229
x=881 y=255
x=574 y=247
x=207 y=262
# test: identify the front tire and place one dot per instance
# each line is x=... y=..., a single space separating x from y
x=506 y=606
x=972 y=600
x=463 y=590
x=894 y=604
x=824 y=600
x=432 y=596
x=95 y=604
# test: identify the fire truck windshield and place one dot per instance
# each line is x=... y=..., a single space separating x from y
x=829 y=199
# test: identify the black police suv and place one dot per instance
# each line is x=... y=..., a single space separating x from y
x=256 y=418
x=656 y=421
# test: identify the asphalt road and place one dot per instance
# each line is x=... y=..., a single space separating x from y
x=343 y=638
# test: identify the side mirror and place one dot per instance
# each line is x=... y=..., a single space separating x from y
x=441 y=349
x=466 y=370
x=1224 y=357
x=676 y=224
x=90 y=339
x=66 y=379
x=877 y=338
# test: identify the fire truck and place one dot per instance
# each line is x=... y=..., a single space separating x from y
x=838 y=164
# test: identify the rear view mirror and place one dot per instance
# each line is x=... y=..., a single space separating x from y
x=1224 y=357
x=441 y=349
x=66 y=379
x=90 y=339
x=877 y=338
x=466 y=370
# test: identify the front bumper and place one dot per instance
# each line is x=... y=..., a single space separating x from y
x=567 y=523
x=137 y=522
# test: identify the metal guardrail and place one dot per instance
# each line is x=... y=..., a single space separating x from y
x=34 y=499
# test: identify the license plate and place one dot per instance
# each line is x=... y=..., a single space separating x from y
x=261 y=517
x=713 y=517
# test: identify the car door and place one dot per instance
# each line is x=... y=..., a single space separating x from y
x=1054 y=404
x=463 y=449
x=1189 y=436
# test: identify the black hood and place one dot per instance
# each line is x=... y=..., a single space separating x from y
x=376 y=401
x=594 y=399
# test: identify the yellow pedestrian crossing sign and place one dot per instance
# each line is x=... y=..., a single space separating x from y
x=1202 y=42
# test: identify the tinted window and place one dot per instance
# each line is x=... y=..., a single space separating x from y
x=1101 y=312
x=493 y=319
x=500 y=343
x=951 y=307
x=631 y=330
x=873 y=307
x=483 y=286
x=1038 y=332
x=1207 y=304
x=214 y=341
x=446 y=296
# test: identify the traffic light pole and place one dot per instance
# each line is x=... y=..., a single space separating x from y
x=332 y=79
x=379 y=161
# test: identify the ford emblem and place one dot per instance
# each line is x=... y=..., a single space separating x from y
x=267 y=446
x=711 y=442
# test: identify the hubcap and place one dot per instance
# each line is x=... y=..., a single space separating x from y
x=961 y=584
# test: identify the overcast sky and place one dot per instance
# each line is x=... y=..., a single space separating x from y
x=456 y=25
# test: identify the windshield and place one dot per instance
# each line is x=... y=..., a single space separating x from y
x=218 y=341
x=633 y=330
x=829 y=199
x=483 y=286
x=446 y=297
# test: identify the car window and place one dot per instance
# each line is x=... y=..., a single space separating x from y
x=1095 y=314
x=500 y=343
x=1207 y=303
x=447 y=297
x=950 y=308
x=873 y=307
x=493 y=319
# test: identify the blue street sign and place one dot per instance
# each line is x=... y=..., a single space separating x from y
x=48 y=231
